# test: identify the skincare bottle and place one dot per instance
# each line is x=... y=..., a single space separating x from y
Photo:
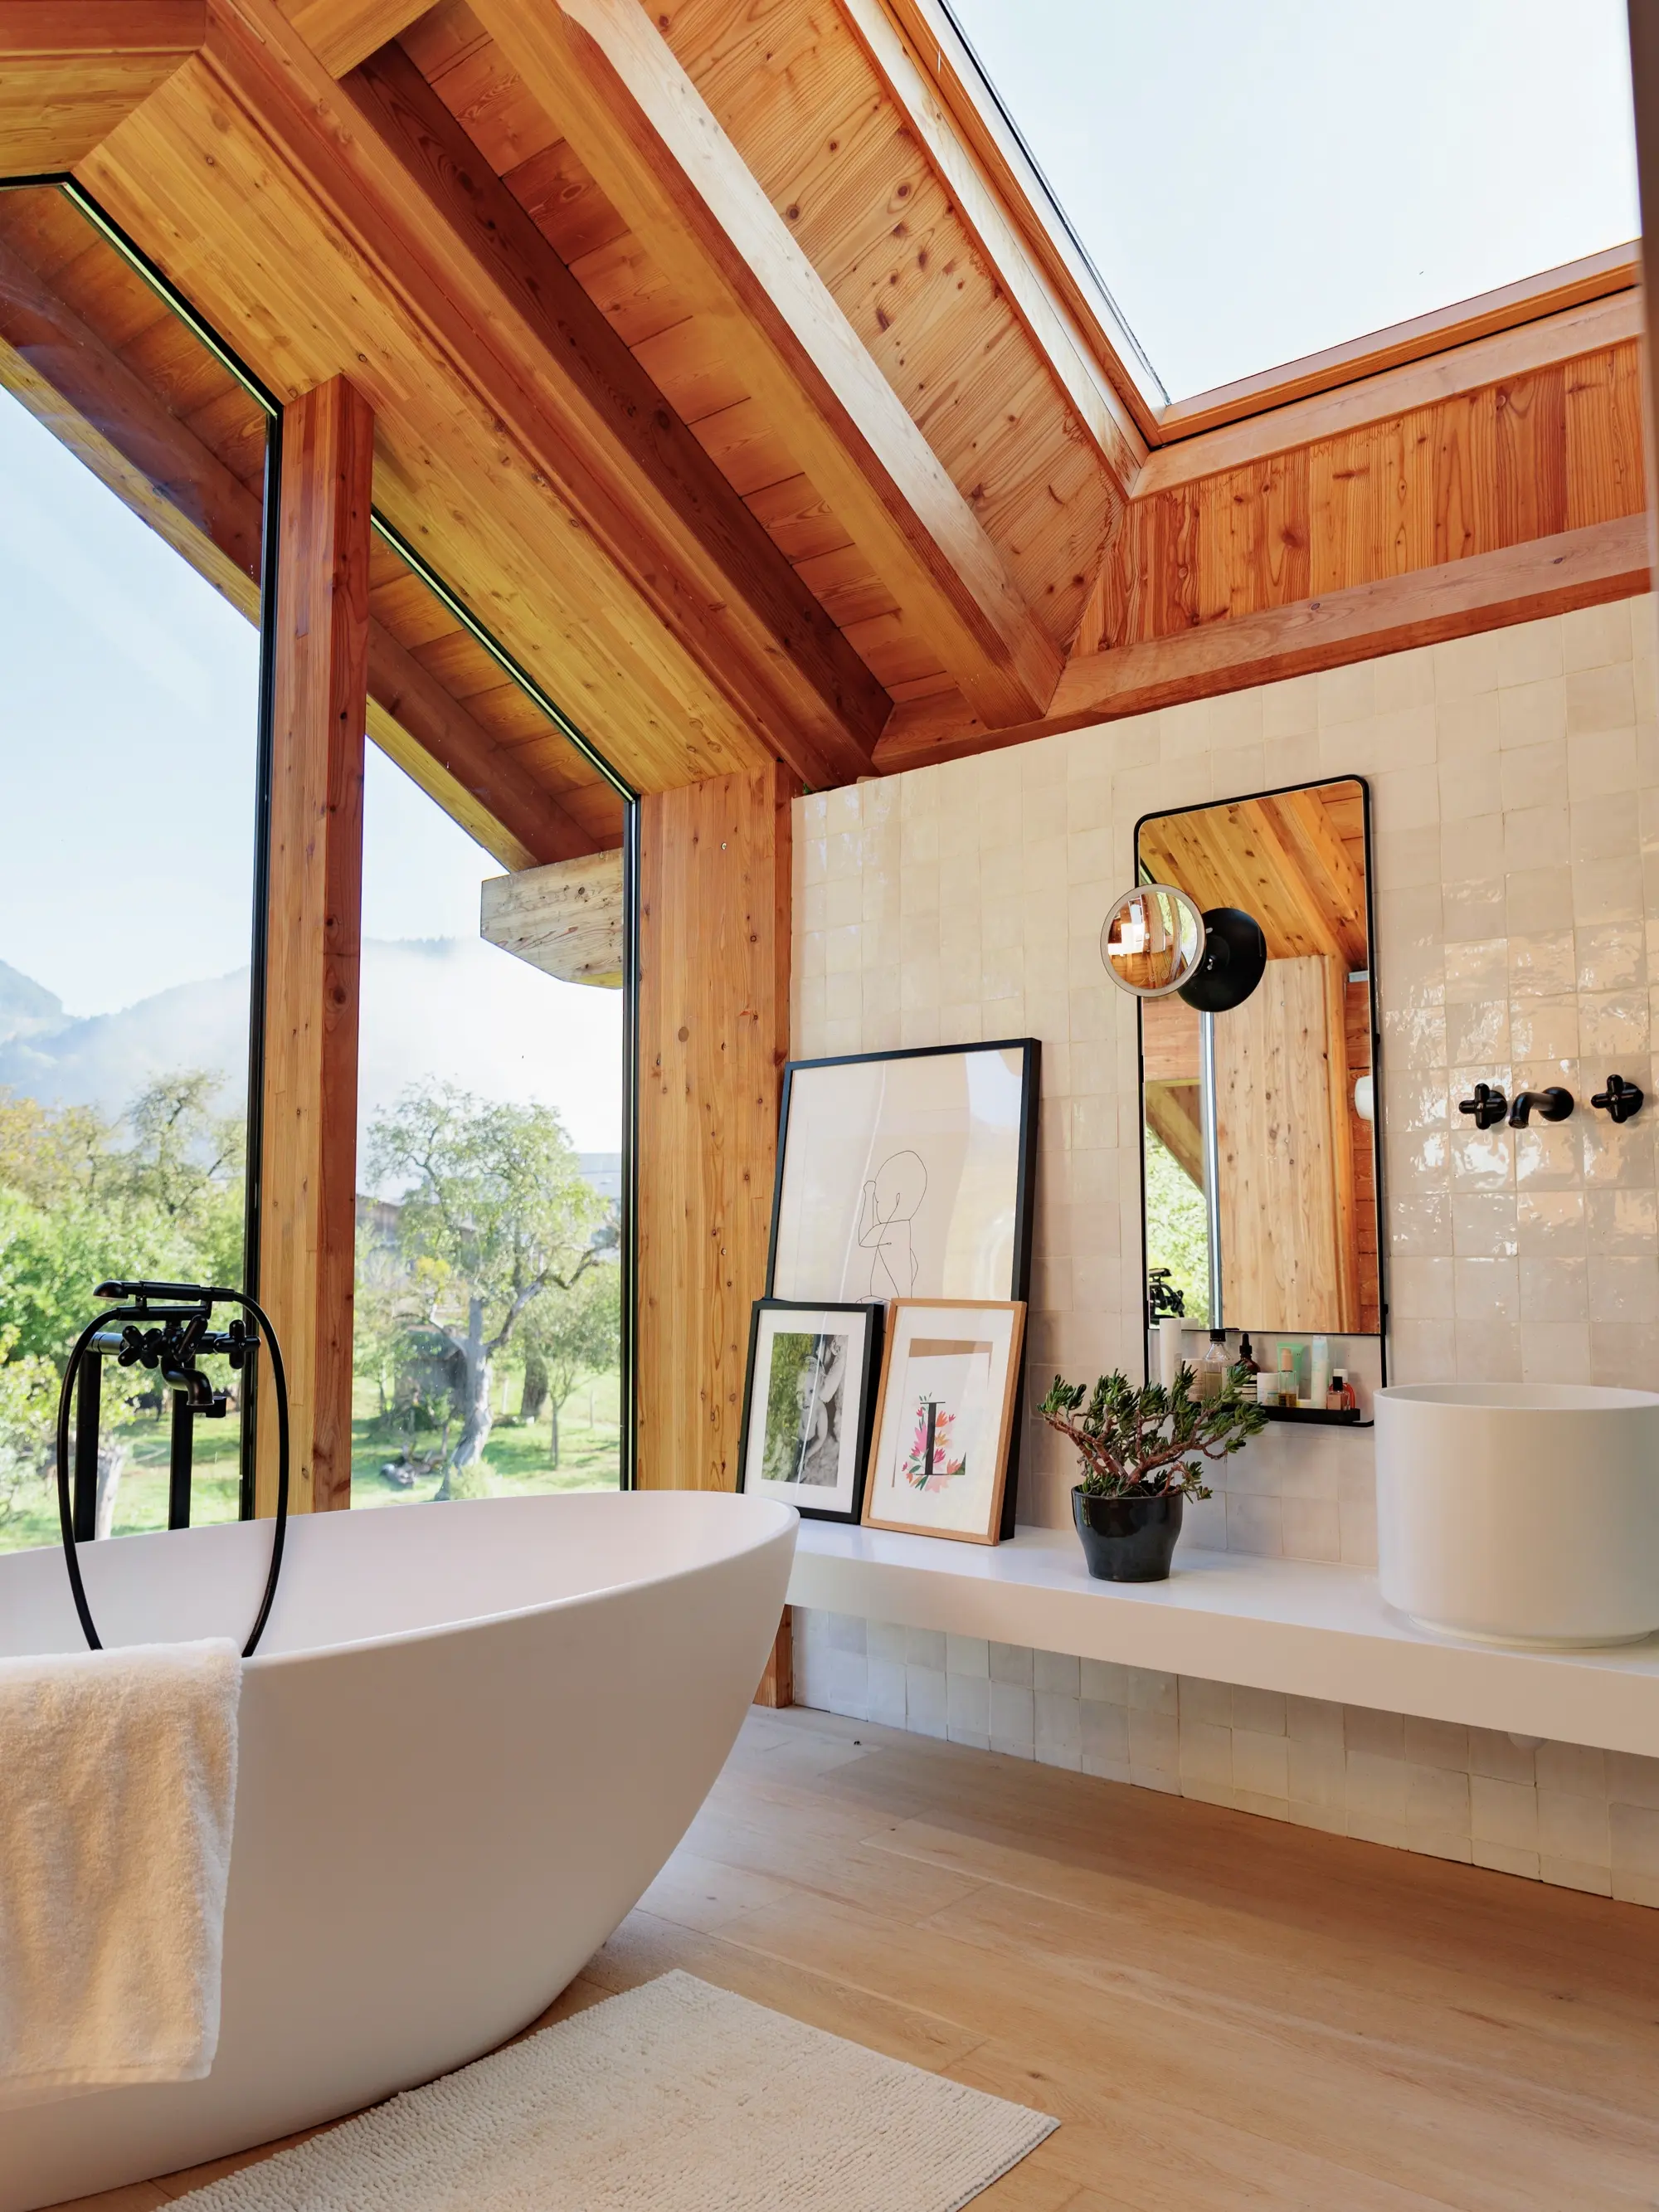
x=1286 y=1376
x=1213 y=1368
x=1319 y=1376
x=1247 y=1364
x=1336 y=1397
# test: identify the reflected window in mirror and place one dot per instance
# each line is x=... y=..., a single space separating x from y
x=1283 y=1091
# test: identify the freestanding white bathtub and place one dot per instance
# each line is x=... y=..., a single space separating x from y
x=469 y=1739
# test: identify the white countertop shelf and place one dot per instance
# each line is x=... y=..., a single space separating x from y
x=1320 y=1632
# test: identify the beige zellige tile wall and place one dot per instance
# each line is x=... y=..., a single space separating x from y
x=1515 y=783
x=1514 y=786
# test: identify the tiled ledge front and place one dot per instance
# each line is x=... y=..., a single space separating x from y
x=1561 y=1812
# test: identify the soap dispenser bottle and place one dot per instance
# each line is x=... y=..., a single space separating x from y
x=1213 y=1368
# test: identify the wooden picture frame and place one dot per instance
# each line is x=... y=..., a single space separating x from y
x=964 y=1332
x=830 y=1434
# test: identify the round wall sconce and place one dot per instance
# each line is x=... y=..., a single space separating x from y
x=1152 y=940
x=1235 y=960
x=1155 y=942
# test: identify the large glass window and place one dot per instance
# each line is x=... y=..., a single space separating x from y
x=1257 y=183
x=132 y=459
x=489 y=1276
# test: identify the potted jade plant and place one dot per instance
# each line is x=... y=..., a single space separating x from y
x=1142 y=1451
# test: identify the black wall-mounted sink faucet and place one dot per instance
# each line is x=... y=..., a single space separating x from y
x=1488 y=1105
x=1621 y=1099
x=1553 y=1104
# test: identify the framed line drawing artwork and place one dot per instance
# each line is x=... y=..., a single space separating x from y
x=945 y=1418
x=809 y=1400
x=907 y=1175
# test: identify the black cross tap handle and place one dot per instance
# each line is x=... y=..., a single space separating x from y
x=1488 y=1105
x=1621 y=1099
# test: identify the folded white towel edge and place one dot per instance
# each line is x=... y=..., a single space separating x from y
x=19 y=2090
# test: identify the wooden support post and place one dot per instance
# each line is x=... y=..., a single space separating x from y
x=713 y=1013
x=309 y=1175
x=777 y=1683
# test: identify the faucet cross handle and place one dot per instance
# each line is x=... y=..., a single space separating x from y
x=1620 y=1099
x=1488 y=1105
x=1554 y=1103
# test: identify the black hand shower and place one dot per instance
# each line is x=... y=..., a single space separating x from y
x=169 y=1336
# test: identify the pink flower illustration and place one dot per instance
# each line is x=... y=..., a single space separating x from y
x=915 y=1467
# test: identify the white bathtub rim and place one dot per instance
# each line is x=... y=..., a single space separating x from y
x=395 y=1638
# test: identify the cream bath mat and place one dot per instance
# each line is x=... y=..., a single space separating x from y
x=674 y=2098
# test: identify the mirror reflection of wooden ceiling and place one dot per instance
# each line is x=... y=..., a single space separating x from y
x=1295 y=860
x=720 y=363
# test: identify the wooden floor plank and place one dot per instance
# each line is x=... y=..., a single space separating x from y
x=1223 y=2012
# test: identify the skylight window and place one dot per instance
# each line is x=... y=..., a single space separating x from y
x=1257 y=183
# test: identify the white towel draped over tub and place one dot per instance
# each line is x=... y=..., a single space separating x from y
x=118 y=1791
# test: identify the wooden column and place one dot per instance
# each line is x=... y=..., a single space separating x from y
x=308 y=1178
x=714 y=885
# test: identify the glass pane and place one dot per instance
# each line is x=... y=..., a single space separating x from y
x=490 y=1115
x=1258 y=183
x=132 y=461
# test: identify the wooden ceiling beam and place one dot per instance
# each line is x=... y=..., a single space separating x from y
x=455 y=760
x=1466 y=370
x=1025 y=283
x=1522 y=583
x=609 y=80
x=270 y=196
x=75 y=384
x=1575 y=284
x=814 y=692
x=71 y=69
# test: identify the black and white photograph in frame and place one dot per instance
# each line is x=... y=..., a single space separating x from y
x=907 y=1175
x=808 y=1405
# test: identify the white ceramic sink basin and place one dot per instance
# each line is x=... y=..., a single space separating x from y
x=1520 y=1513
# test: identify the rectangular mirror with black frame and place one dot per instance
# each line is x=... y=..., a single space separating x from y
x=1260 y=1172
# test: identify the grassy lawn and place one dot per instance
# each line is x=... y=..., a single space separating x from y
x=521 y=1464
x=142 y=1500
x=519 y=1460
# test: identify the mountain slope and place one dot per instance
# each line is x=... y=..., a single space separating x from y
x=451 y=1008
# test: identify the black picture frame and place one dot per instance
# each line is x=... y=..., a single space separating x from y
x=1019 y=1284
x=869 y=1382
x=1380 y=1336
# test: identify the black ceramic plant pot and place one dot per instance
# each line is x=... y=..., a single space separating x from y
x=1127 y=1539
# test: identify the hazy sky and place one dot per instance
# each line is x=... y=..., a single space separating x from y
x=127 y=721
x=1257 y=181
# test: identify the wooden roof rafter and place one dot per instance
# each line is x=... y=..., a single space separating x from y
x=606 y=74
x=511 y=443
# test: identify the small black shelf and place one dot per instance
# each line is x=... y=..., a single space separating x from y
x=1319 y=1415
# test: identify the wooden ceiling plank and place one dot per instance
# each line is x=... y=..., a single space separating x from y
x=71 y=69
x=615 y=90
x=823 y=707
x=1520 y=583
x=342 y=32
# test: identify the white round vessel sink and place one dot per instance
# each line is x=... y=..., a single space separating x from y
x=1520 y=1513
